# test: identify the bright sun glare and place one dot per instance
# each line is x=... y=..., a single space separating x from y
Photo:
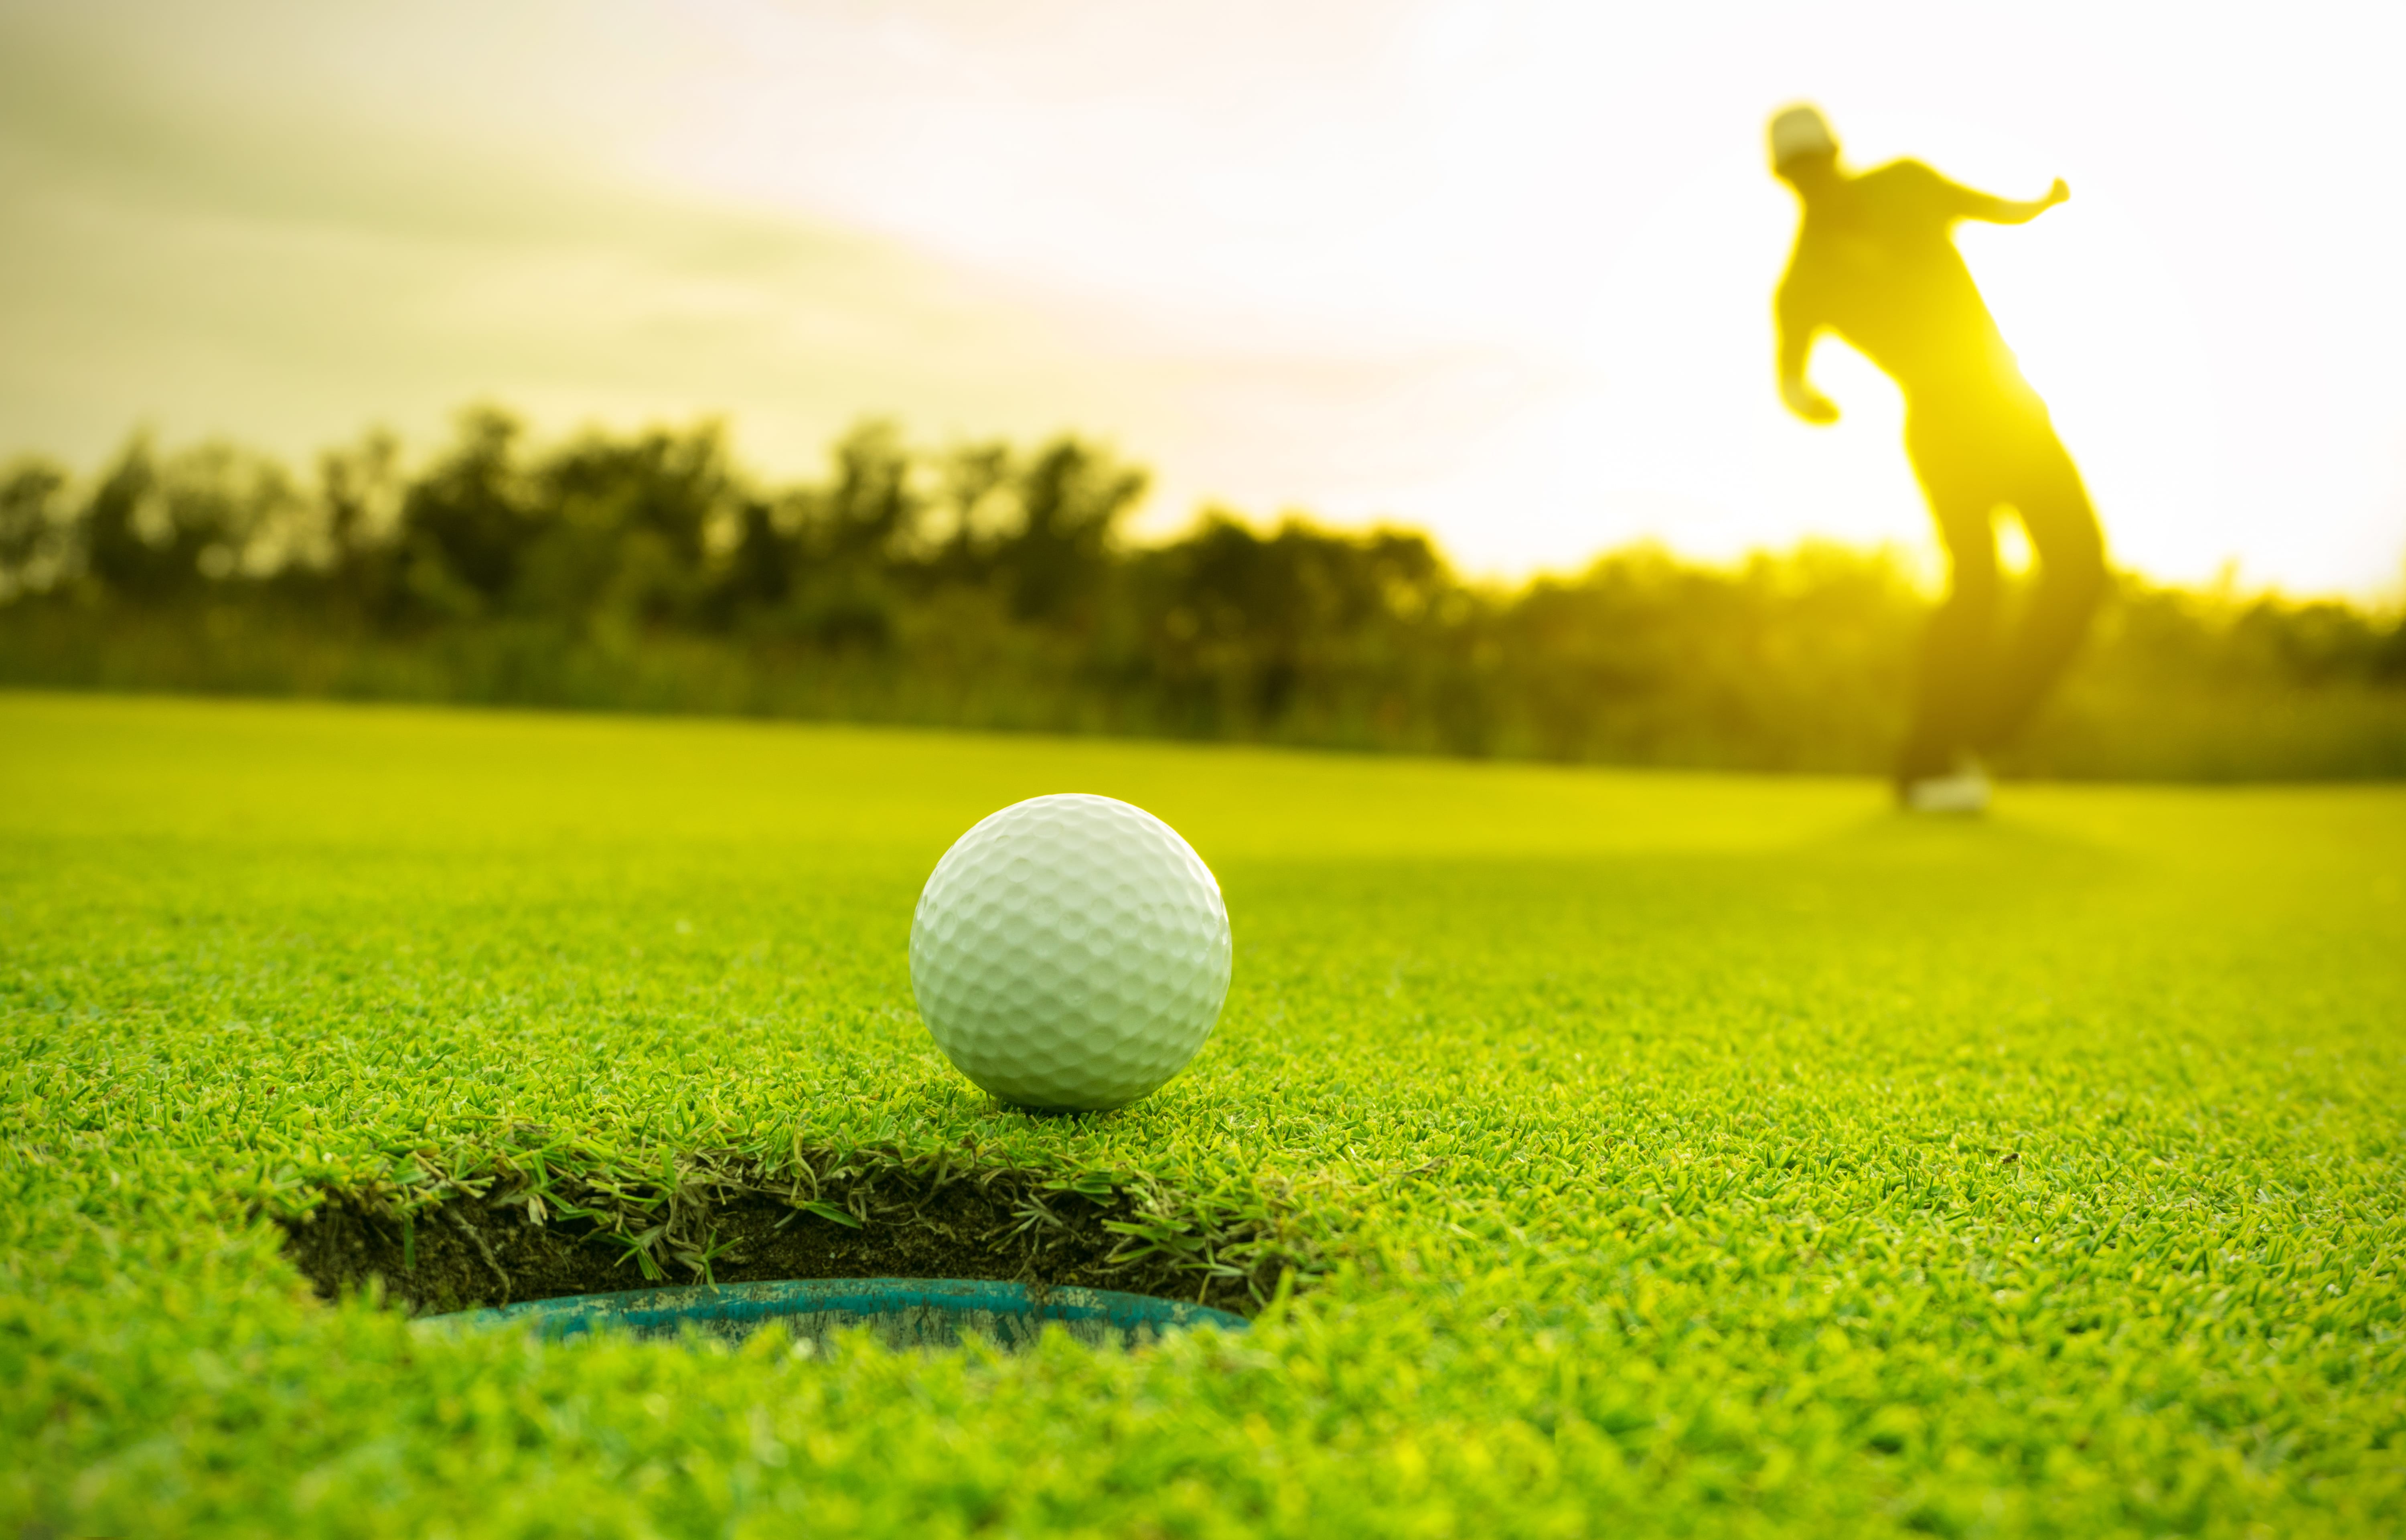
x=1500 y=270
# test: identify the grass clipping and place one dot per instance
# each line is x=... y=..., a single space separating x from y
x=465 y=1234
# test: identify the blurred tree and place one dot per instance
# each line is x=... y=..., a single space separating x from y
x=468 y=520
x=852 y=537
x=625 y=528
x=868 y=517
x=157 y=532
x=124 y=551
x=1069 y=497
x=361 y=491
x=37 y=535
x=1241 y=623
x=759 y=570
x=980 y=485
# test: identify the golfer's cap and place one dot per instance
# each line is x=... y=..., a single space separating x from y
x=1800 y=130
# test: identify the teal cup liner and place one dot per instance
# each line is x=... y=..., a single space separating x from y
x=908 y=1312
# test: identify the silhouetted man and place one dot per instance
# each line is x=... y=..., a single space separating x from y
x=1876 y=263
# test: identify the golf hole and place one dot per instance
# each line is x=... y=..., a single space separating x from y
x=919 y=1253
x=904 y=1312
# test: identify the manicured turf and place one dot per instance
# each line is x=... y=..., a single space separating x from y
x=1679 y=1154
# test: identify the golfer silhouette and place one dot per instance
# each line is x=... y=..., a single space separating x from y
x=1876 y=263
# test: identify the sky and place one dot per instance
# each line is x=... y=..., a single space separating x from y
x=1501 y=271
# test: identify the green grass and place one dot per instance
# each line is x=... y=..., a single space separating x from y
x=1682 y=1154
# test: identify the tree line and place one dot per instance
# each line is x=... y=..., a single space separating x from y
x=992 y=585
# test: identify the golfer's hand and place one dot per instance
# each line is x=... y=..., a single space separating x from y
x=1807 y=402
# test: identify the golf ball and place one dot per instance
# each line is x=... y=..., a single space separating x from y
x=1070 y=952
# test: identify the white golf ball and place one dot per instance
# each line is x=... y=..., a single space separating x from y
x=1070 y=952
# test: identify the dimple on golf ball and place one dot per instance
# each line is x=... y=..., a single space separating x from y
x=1070 y=952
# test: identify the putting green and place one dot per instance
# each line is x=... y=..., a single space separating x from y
x=1677 y=1153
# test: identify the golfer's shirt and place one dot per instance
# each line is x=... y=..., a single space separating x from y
x=1879 y=267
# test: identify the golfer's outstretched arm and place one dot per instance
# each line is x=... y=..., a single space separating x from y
x=1796 y=330
x=1993 y=210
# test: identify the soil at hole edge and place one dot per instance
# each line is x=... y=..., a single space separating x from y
x=471 y=1253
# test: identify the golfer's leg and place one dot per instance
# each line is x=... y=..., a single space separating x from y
x=2071 y=550
x=1950 y=696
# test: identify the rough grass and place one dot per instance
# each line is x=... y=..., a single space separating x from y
x=1657 y=1153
